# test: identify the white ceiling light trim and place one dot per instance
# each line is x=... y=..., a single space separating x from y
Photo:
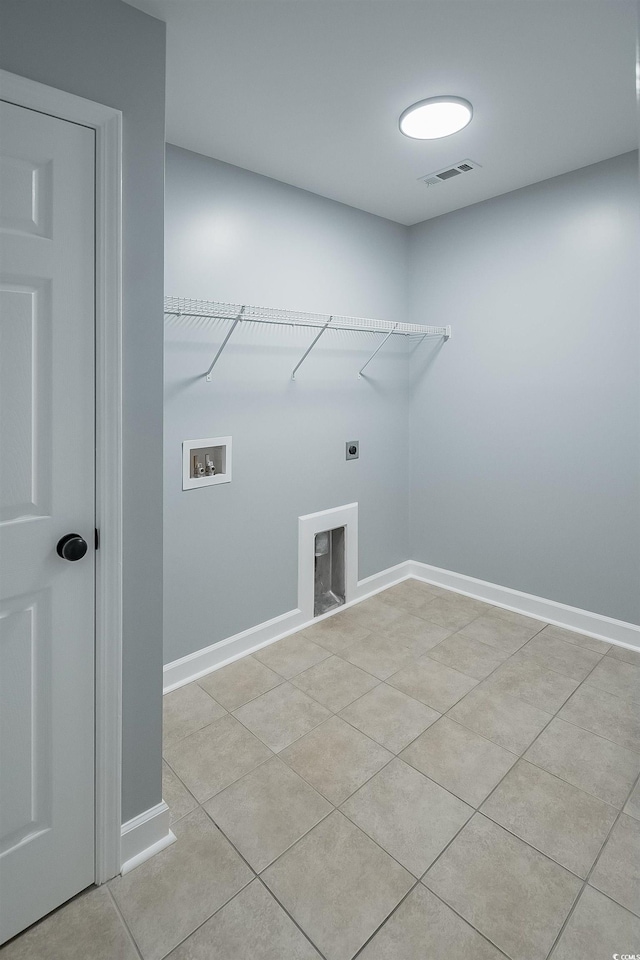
x=435 y=117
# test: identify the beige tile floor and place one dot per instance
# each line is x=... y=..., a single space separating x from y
x=419 y=777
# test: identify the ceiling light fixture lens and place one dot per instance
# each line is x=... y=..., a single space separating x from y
x=436 y=117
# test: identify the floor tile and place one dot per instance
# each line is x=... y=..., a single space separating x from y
x=389 y=717
x=175 y=794
x=433 y=683
x=251 y=927
x=623 y=653
x=89 y=926
x=469 y=656
x=425 y=928
x=186 y=710
x=632 y=806
x=291 y=656
x=417 y=634
x=580 y=639
x=617 y=872
x=266 y=811
x=335 y=633
x=240 y=682
x=598 y=929
x=211 y=759
x=598 y=766
x=510 y=892
x=411 y=594
x=459 y=760
x=452 y=610
x=338 y=885
x=411 y=817
x=336 y=759
x=561 y=821
x=608 y=716
x=379 y=655
x=618 y=678
x=566 y=658
x=281 y=716
x=515 y=617
x=510 y=722
x=505 y=636
x=530 y=681
x=372 y=614
x=335 y=683
x=166 y=898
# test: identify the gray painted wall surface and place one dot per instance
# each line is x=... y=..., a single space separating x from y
x=231 y=549
x=525 y=432
x=109 y=52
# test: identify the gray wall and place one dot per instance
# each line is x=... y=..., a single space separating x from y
x=231 y=550
x=525 y=428
x=109 y=52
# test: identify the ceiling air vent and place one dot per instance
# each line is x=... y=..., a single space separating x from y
x=448 y=173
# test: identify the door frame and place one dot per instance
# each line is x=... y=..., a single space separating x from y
x=107 y=123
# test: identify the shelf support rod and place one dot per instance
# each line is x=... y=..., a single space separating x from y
x=235 y=323
x=378 y=348
x=309 y=349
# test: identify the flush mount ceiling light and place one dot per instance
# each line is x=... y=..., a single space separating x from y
x=436 y=117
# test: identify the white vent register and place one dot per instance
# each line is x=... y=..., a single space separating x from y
x=448 y=173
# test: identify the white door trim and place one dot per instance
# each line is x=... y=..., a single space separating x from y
x=107 y=124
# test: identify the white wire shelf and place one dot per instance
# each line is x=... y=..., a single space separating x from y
x=237 y=313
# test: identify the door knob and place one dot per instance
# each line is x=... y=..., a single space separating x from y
x=72 y=547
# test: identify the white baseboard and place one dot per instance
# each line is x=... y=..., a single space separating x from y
x=145 y=835
x=559 y=614
x=204 y=661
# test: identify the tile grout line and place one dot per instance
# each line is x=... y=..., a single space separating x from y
x=248 y=656
x=385 y=921
x=226 y=902
x=123 y=919
x=468 y=922
x=479 y=682
x=583 y=880
x=477 y=809
x=394 y=756
x=590 y=872
x=521 y=756
x=293 y=920
x=397 y=756
x=331 y=653
x=336 y=713
x=543 y=627
x=256 y=875
x=338 y=810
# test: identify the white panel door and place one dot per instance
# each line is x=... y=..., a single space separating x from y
x=47 y=453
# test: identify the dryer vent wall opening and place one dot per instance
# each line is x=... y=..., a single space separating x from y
x=329 y=570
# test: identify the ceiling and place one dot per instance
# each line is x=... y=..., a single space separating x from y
x=309 y=91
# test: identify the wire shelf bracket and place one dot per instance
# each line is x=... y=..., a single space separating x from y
x=235 y=323
x=309 y=349
x=375 y=352
x=217 y=310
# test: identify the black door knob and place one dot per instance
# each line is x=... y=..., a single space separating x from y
x=72 y=547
